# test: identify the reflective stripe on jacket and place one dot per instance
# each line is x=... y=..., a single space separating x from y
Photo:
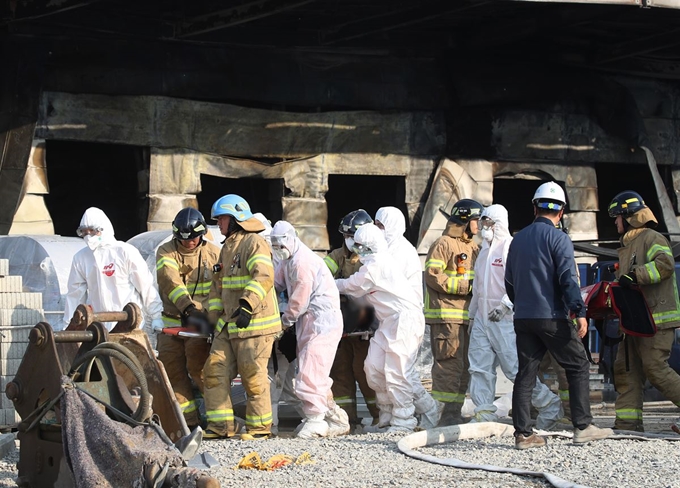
x=448 y=293
x=182 y=279
x=647 y=254
x=247 y=274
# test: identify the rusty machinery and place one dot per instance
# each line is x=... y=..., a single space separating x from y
x=133 y=386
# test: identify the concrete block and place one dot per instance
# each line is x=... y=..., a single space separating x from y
x=12 y=350
x=4 y=267
x=21 y=300
x=20 y=316
x=10 y=284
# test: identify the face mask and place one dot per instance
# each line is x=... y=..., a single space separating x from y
x=282 y=254
x=349 y=242
x=93 y=242
x=487 y=235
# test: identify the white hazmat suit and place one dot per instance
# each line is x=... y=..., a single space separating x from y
x=393 y=349
x=314 y=308
x=405 y=255
x=108 y=274
x=406 y=258
x=492 y=336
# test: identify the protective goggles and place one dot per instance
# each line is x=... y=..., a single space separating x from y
x=361 y=250
x=88 y=231
x=278 y=241
x=486 y=223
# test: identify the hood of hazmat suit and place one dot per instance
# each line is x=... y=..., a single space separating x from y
x=314 y=308
x=109 y=274
x=405 y=255
x=394 y=347
x=492 y=335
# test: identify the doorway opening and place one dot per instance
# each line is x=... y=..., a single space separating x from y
x=351 y=192
x=515 y=193
x=262 y=195
x=111 y=177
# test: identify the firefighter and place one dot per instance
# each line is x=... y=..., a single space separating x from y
x=645 y=260
x=348 y=366
x=184 y=274
x=448 y=279
x=243 y=305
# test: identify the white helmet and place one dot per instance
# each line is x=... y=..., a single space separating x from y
x=550 y=195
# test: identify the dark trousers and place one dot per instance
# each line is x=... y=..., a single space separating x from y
x=534 y=337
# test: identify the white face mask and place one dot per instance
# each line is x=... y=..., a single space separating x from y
x=282 y=254
x=487 y=234
x=93 y=242
x=349 y=242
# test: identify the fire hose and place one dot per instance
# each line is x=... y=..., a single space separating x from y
x=442 y=435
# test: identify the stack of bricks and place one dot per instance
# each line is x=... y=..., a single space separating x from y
x=19 y=312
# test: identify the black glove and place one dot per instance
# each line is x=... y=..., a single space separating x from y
x=288 y=344
x=243 y=313
x=627 y=280
x=613 y=267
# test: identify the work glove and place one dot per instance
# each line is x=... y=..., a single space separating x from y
x=242 y=314
x=498 y=313
x=628 y=280
x=196 y=319
x=157 y=325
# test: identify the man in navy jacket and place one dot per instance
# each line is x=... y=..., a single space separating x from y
x=540 y=280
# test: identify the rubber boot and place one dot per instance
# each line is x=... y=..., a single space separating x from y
x=451 y=414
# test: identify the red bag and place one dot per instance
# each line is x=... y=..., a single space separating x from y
x=608 y=300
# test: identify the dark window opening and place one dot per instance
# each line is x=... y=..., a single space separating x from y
x=613 y=179
x=516 y=194
x=111 y=177
x=352 y=192
x=262 y=195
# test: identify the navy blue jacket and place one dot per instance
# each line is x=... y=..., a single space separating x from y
x=540 y=273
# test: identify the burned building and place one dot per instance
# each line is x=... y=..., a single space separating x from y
x=310 y=109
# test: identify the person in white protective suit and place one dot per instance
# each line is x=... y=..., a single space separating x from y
x=108 y=274
x=314 y=309
x=393 y=349
x=492 y=334
x=393 y=224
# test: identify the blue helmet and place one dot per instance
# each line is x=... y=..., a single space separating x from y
x=233 y=205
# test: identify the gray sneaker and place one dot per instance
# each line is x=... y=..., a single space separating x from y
x=591 y=433
x=529 y=442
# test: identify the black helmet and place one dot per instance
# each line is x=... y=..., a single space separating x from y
x=188 y=224
x=626 y=203
x=353 y=220
x=466 y=210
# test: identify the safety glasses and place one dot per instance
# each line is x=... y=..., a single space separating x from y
x=278 y=241
x=487 y=223
x=88 y=231
x=361 y=250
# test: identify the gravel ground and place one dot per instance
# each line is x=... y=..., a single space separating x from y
x=372 y=460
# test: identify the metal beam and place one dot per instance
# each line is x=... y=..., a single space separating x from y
x=401 y=19
x=28 y=10
x=241 y=14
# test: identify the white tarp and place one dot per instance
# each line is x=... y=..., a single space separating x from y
x=44 y=263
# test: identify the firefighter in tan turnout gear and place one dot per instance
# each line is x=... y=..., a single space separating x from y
x=645 y=260
x=448 y=279
x=348 y=366
x=184 y=274
x=243 y=304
